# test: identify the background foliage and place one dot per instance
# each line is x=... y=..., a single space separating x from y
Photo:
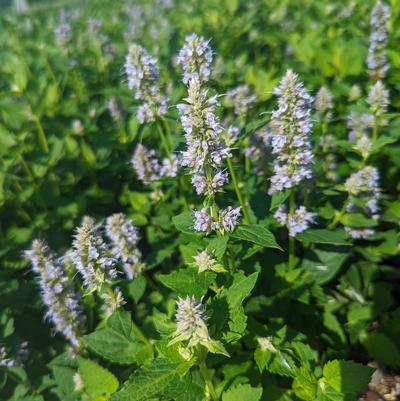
x=62 y=156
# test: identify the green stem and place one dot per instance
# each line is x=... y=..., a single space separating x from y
x=164 y=135
x=237 y=190
x=375 y=129
x=123 y=137
x=292 y=251
x=207 y=380
x=26 y=168
x=164 y=142
x=337 y=217
x=41 y=134
x=90 y=304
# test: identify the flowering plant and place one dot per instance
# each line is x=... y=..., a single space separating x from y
x=200 y=216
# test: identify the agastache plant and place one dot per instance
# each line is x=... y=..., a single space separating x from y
x=63 y=30
x=143 y=78
x=124 y=237
x=58 y=294
x=145 y=164
x=205 y=153
x=92 y=256
x=242 y=100
x=195 y=59
x=360 y=125
x=192 y=330
x=364 y=195
x=291 y=125
x=291 y=128
x=149 y=169
x=377 y=53
x=378 y=100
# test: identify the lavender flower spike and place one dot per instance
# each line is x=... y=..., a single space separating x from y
x=145 y=164
x=377 y=53
x=291 y=126
x=124 y=237
x=59 y=296
x=206 y=149
x=195 y=58
x=364 y=196
x=191 y=322
x=92 y=256
x=296 y=222
x=143 y=76
x=378 y=98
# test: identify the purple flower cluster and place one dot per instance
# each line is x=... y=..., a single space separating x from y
x=291 y=125
x=296 y=222
x=124 y=237
x=149 y=169
x=91 y=256
x=143 y=78
x=377 y=54
x=364 y=196
x=58 y=294
x=206 y=148
x=195 y=59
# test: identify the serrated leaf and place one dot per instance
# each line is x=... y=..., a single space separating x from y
x=322 y=236
x=347 y=376
x=97 y=381
x=258 y=234
x=150 y=381
x=278 y=198
x=188 y=281
x=117 y=343
x=136 y=288
x=382 y=348
x=215 y=347
x=328 y=265
x=357 y=220
x=305 y=385
x=242 y=392
x=217 y=246
x=184 y=222
x=64 y=378
x=240 y=289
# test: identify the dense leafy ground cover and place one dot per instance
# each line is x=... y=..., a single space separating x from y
x=241 y=194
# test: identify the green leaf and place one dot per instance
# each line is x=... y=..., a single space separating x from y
x=188 y=251
x=150 y=381
x=347 y=376
x=215 y=347
x=217 y=246
x=184 y=222
x=357 y=220
x=327 y=265
x=242 y=392
x=305 y=385
x=97 y=381
x=117 y=343
x=136 y=288
x=322 y=236
x=88 y=154
x=188 y=281
x=64 y=378
x=241 y=288
x=276 y=361
x=258 y=234
x=382 y=348
x=278 y=198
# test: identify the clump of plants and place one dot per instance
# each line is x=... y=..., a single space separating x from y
x=232 y=240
